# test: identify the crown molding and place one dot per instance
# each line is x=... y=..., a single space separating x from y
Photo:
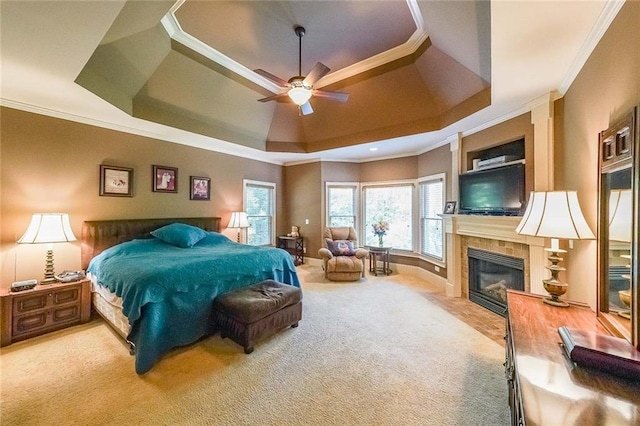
x=197 y=141
x=175 y=32
x=609 y=12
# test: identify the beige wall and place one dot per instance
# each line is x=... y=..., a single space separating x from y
x=386 y=170
x=435 y=162
x=304 y=202
x=51 y=165
x=606 y=88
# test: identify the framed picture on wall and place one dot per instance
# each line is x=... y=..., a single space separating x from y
x=200 y=188
x=165 y=179
x=450 y=207
x=116 y=181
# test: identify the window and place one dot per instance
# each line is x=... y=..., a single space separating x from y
x=259 y=203
x=392 y=203
x=341 y=204
x=431 y=226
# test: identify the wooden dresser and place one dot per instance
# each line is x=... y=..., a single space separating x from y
x=545 y=387
x=43 y=309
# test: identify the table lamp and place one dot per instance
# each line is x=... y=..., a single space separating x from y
x=238 y=220
x=555 y=214
x=620 y=212
x=48 y=228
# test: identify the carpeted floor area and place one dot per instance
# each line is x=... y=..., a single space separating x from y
x=376 y=352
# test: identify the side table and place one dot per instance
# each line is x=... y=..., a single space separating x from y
x=42 y=309
x=379 y=254
x=295 y=247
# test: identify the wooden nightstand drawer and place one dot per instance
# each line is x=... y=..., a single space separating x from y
x=29 y=323
x=66 y=296
x=29 y=303
x=43 y=309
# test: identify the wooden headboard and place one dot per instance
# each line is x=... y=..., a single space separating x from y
x=98 y=235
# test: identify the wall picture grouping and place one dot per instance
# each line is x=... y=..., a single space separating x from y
x=116 y=181
x=200 y=188
x=165 y=179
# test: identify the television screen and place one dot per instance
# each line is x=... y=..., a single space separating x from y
x=497 y=191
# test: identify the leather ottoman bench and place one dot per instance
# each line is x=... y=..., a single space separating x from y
x=248 y=314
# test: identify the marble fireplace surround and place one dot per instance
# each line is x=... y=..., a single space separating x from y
x=494 y=234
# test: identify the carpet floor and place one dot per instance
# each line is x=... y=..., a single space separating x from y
x=375 y=352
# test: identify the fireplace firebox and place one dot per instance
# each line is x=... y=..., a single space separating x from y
x=490 y=275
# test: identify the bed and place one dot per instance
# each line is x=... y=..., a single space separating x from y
x=157 y=291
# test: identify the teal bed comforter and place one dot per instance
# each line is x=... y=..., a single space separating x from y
x=168 y=291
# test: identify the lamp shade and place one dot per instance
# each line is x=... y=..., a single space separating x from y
x=299 y=95
x=555 y=214
x=620 y=210
x=238 y=220
x=48 y=228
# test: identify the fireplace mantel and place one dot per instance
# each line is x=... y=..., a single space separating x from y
x=497 y=228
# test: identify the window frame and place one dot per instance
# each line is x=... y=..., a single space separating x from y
x=356 y=201
x=438 y=177
x=383 y=184
x=272 y=186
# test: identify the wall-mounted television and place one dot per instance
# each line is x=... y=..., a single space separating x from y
x=496 y=191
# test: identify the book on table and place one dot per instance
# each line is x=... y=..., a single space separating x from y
x=600 y=351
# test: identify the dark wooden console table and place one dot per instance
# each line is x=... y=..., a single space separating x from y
x=545 y=387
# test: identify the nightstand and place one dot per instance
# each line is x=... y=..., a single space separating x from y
x=293 y=245
x=43 y=309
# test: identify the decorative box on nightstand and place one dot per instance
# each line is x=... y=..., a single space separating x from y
x=45 y=308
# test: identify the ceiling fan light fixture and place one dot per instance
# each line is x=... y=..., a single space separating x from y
x=299 y=95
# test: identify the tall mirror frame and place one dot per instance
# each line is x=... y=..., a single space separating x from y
x=618 y=224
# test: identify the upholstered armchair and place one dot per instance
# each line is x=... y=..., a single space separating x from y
x=342 y=259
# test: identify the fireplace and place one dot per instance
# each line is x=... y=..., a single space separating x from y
x=490 y=275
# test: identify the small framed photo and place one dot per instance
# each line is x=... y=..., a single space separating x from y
x=450 y=207
x=165 y=179
x=200 y=188
x=116 y=181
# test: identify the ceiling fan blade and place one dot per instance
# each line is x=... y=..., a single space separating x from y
x=316 y=73
x=334 y=96
x=273 y=78
x=273 y=97
x=305 y=109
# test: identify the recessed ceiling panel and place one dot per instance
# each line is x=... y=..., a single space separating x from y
x=194 y=93
x=260 y=34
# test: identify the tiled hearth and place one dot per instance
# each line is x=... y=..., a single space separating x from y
x=493 y=234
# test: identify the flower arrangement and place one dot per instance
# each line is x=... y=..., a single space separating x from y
x=380 y=229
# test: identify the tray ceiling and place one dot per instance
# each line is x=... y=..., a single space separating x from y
x=193 y=69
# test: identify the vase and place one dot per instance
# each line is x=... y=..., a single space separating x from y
x=380 y=242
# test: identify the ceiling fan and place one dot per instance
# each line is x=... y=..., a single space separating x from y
x=300 y=88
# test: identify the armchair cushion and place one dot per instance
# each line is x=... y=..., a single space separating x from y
x=341 y=247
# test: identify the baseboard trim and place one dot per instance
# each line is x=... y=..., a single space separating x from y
x=413 y=271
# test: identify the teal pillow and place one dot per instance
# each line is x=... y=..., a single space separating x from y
x=180 y=234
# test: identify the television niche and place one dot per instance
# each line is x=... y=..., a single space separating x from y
x=498 y=191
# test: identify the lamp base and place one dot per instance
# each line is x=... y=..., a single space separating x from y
x=553 y=285
x=555 y=302
x=49 y=269
x=625 y=297
x=625 y=314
